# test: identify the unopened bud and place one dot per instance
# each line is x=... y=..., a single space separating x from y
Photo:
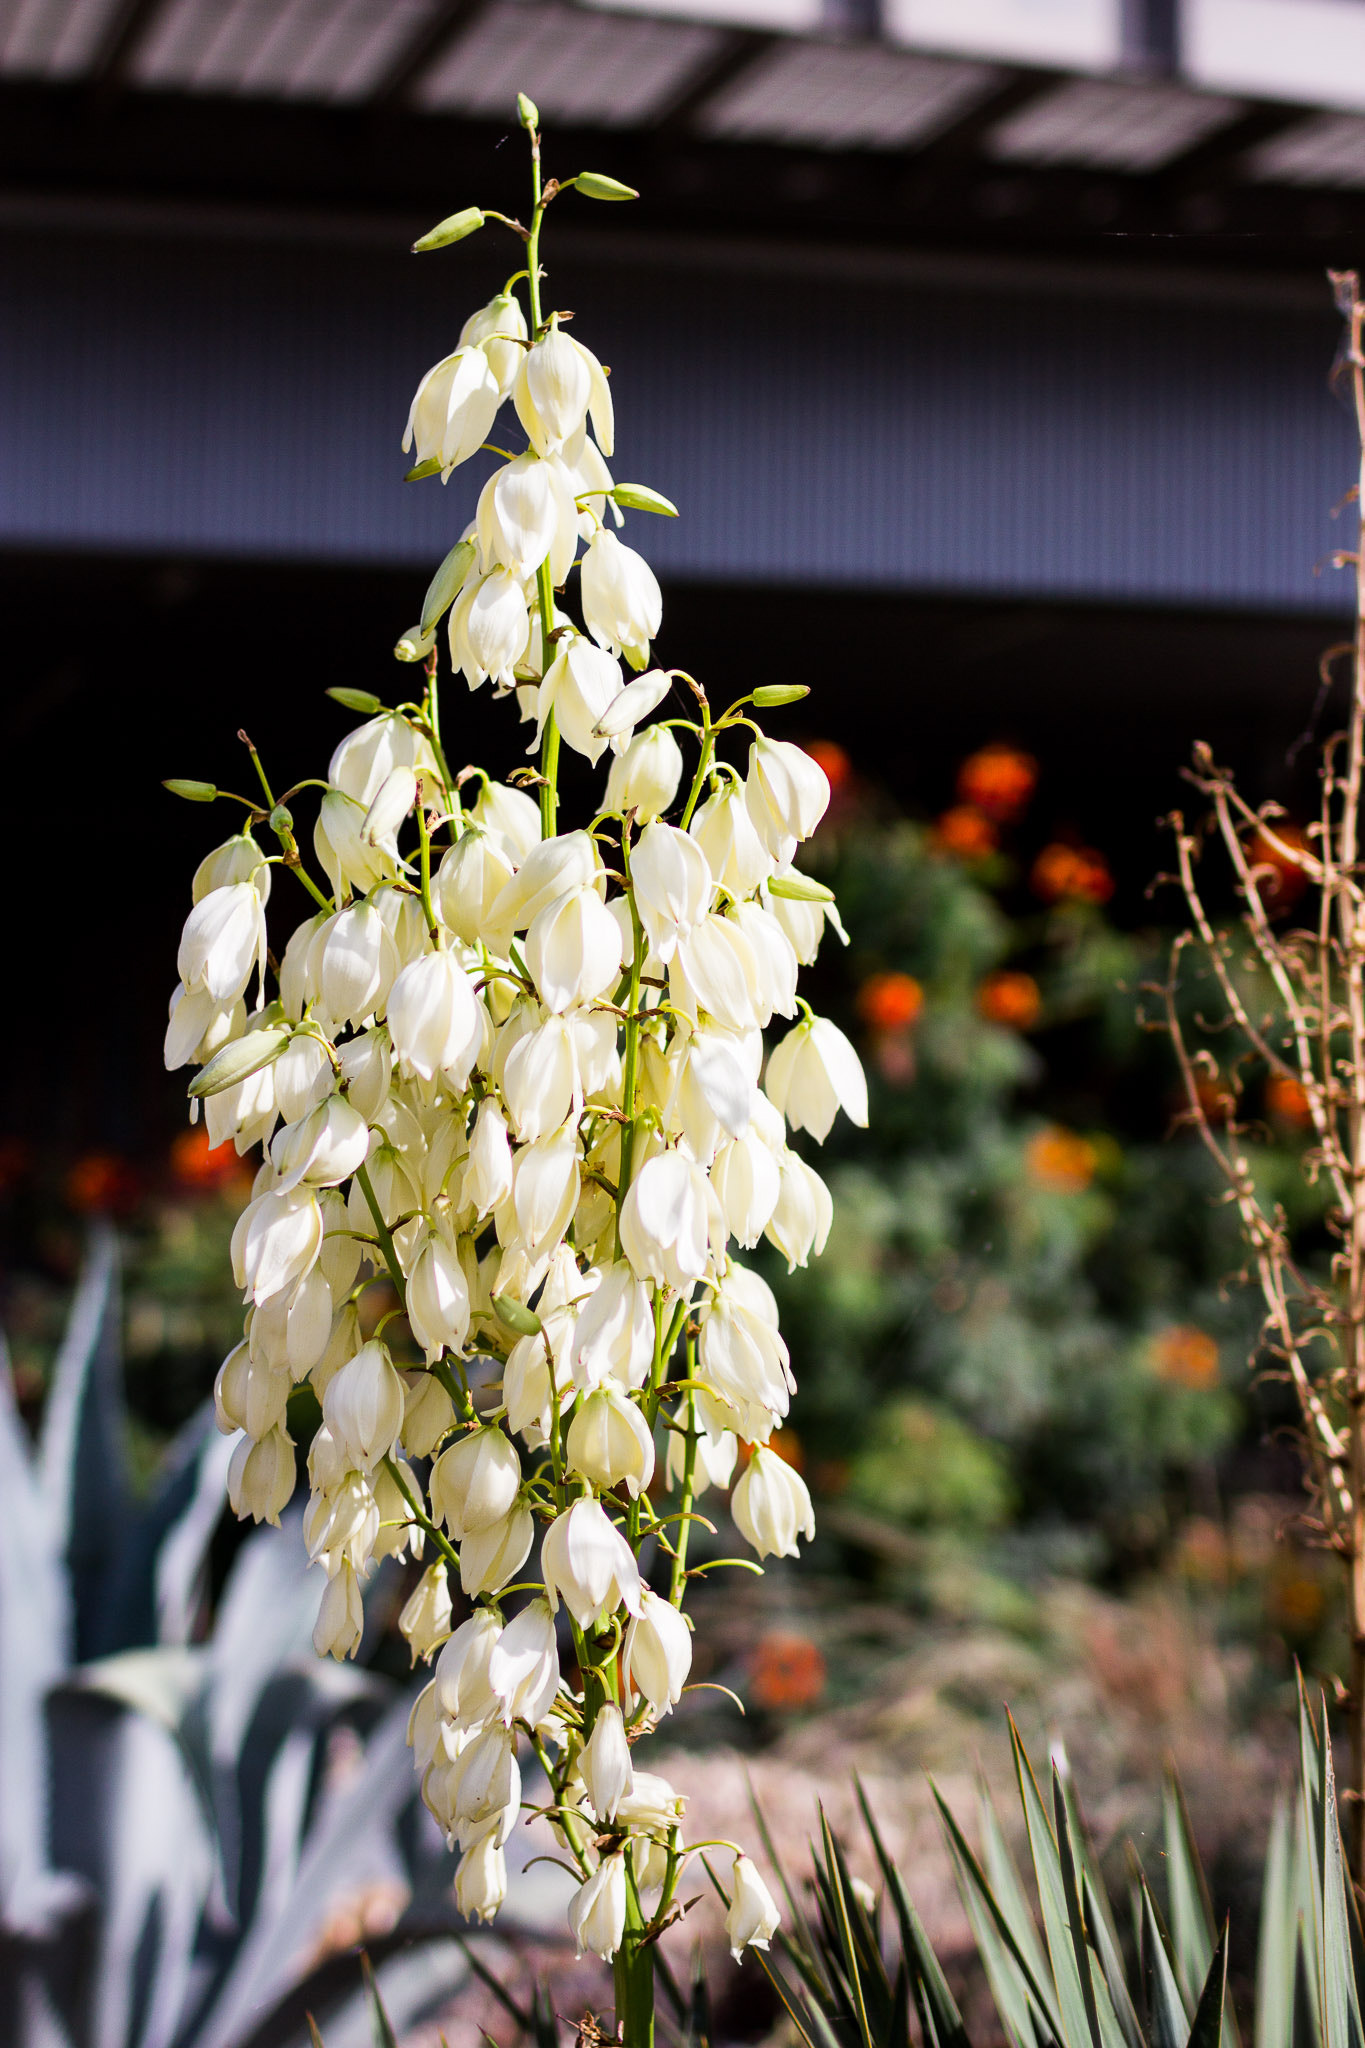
x=640 y=498
x=193 y=792
x=415 y=645
x=514 y=1315
x=445 y=585
x=528 y=113
x=238 y=1060
x=431 y=466
x=597 y=185
x=799 y=889
x=453 y=228
x=281 y=821
x=363 y=701
x=769 y=695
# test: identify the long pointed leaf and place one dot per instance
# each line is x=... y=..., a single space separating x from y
x=928 y=1981
x=1008 y=1887
x=1278 y=1941
x=1341 y=2013
x=1169 y=2016
x=1079 y=2030
x=978 y=1897
x=1075 y=1919
x=1191 y=1920
x=1207 y=2030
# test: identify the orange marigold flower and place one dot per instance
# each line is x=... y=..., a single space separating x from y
x=831 y=757
x=788 y=1672
x=197 y=1164
x=1060 y=1160
x=966 y=832
x=1185 y=1355
x=1010 y=998
x=1286 y=1099
x=101 y=1184
x=890 y=1002
x=1071 y=874
x=999 y=780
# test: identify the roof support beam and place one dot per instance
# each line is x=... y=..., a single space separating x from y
x=126 y=32
x=447 y=21
x=734 y=57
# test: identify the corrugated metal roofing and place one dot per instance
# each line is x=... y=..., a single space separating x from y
x=858 y=431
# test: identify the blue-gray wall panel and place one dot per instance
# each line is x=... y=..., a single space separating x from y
x=230 y=398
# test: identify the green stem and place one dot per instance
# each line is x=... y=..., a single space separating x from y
x=633 y=1976
x=679 y=1578
x=423 y=1520
x=438 y=937
x=632 y=1054
x=708 y=748
x=549 y=751
x=383 y=1233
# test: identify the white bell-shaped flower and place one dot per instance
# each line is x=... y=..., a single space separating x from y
x=545 y=1189
x=609 y=1441
x=481 y=1879
x=813 y=1074
x=657 y=1654
x=604 y=1763
x=341 y=1616
x=523 y=1670
x=428 y=1414
x=775 y=989
x=726 y=833
x=324 y=1150
x=453 y=409
x=804 y=923
x=363 y=1406
x=741 y=1354
x=713 y=1093
x=435 y=1020
x=341 y=1526
x=424 y=1621
x=753 y=1917
x=469 y=880
x=800 y=1222
x=668 y=1220
x=540 y=1079
x=355 y=963
x=526 y=513
x=548 y=871
x=365 y=759
x=463 y=1691
x=672 y=885
x=489 y=628
x=787 y=793
x=771 y=1506
x=509 y=817
x=261 y=1476
x=622 y=602
x=614 y=1334
x=238 y=859
x=476 y=1481
x=645 y=778
x=488 y=1169
x=276 y=1241
x=635 y=703
x=714 y=1451
x=746 y=1177
x=499 y=329
x=716 y=973
x=438 y=1299
x=573 y=949
x=490 y=1558
x=223 y=942
x=597 y=1910
x=587 y=1563
x=579 y=687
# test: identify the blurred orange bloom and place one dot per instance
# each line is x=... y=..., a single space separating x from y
x=966 y=832
x=1185 y=1355
x=890 y=1002
x=1071 y=874
x=1280 y=879
x=835 y=762
x=999 y=780
x=101 y=1184
x=1060 y=1160
x=1010 y=998
x=788 y=1672
x=1286 y=1099
x=197 y=1164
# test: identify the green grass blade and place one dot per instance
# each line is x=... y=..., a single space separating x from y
x=938 y=2012
x=981 y=1902
x=1278 y=1939
x=1207 y=2030
x=1075 y=1918
x=1105 y=1937
x=485 y=1976
x=1008 y=1887
x=794 y=1907
x=1079 y=2028
x=1168 y=2014
x=1191 y=1919
x=1341 y=2012
x=1016 y=2002
x=844 y=1929
x=384 y=2036
x=1307 y=2030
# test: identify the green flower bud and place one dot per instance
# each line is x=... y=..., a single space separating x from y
x=363 y=701
x=769 y=695
x=528 y=113
x=193 y=792
x=453 y=228
x=596 y=185
x=640 y=498
x=800 y=889
x=445 y=584
x=431 y=467
x=239 y=1059
x=515 y=1316
x=415 y=644
x=281 y=820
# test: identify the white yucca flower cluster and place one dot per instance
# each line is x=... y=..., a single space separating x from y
x=515 y=1074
